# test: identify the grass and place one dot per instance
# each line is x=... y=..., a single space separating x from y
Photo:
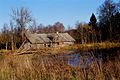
x=92 y=46
x=49 y=64
x=52 y=67
x=29 y=67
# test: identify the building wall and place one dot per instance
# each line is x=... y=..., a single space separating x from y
x=62 y=44
x=37 y=46
x=68 y=43
x=32 y=46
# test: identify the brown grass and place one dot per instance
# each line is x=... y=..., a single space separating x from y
x=92 y=46
x=52 y=67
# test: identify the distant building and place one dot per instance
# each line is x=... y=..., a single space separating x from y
x=36 y=41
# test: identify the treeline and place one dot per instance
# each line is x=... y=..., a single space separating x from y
x=85 y=33
x=57 y=27
x=105 y=27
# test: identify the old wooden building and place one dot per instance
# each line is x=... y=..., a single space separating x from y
x=36 y=41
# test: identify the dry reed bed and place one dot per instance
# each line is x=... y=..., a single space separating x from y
x=92 y=46
x=53 y=67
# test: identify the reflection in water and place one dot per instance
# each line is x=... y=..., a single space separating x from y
x=80 y=60
x=84 y=59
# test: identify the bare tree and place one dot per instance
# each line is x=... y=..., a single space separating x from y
x=105 y=12
x=69 y=27
x=80 y=32
x=40 y=28
x=12 y=42
x=5 y=33
x=33 y=28
x=22 y=17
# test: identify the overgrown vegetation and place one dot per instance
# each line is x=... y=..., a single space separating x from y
x=102 y=35
x=55 y=67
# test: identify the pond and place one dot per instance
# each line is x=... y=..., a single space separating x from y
x=85 y=58
x=79 y=60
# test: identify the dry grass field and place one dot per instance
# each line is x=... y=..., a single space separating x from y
x=36 y=66
x=52 y=64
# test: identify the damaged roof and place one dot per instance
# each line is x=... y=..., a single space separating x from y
x=45 y=38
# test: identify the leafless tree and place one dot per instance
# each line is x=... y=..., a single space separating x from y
x=22 y=17
x=33 y=27
x=5 y=33
x=12 y=38
x=40 y=28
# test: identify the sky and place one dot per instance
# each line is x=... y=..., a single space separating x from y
x=48 y=12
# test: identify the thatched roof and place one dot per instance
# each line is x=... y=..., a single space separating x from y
x=46 y=38
x=64 y=37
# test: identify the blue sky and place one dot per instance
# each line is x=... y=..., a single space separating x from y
x=48 y=12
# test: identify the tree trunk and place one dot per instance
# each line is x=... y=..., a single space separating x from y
x=110 y=32
x=6 y=46
x=12 y=43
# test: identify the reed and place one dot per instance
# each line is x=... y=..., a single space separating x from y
x=54 y=67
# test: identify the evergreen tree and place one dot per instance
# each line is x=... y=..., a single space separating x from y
x=93 y=24
x=93 y=21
